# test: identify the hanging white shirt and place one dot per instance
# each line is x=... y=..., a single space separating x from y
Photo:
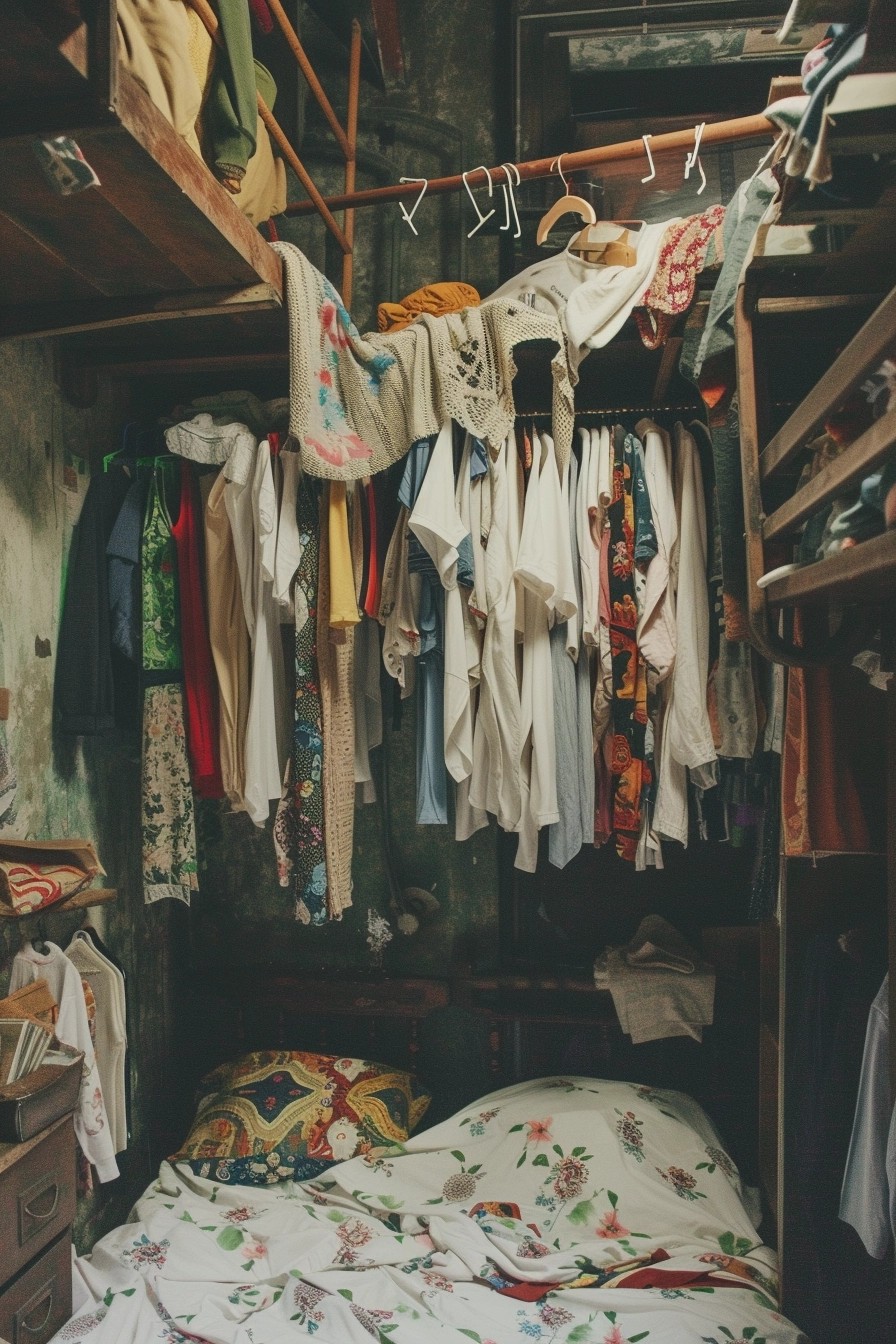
x=107 y=983
x=438 y=526
x=868 y=1198
x=598 y=308
x=685 y=741
x=495 y=782
x=269 y=721
x=72 y=1028
x=238 y=471
x=656 y=625
x=289 y=538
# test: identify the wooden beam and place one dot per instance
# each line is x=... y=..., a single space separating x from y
x=868 y=452
x=387 y=25
x=307 y=69
x=273 y=361
x=865 y=573
x=348 y=218
x=57 y=319
x=788 y=305
x=860 y=357
x=625 y=151
x=668 y=365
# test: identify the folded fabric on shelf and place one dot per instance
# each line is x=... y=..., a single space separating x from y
x=660 y=985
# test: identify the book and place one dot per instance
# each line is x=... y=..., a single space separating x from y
x=23 y=1045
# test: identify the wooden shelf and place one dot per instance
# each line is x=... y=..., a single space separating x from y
x=159 y=235
x=860 y=358
x=864 y=573
x=860 y=459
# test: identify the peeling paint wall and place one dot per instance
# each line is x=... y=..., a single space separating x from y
x=71 y=787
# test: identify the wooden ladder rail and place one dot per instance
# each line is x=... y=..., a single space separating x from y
x=827 y=579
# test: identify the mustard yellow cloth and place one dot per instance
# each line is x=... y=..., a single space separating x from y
x=447 y=296
x=343 y=601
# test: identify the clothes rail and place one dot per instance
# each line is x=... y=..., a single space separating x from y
x=716 y=133
x=682 y=408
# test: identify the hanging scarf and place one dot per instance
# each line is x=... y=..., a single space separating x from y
x=629 y=708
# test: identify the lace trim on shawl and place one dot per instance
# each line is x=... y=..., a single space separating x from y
x=357 y=403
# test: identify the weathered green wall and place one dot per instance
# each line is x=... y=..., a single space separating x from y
x=79 y=788
x=444 y=118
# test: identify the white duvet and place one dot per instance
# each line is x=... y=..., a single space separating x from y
x=567 y=1211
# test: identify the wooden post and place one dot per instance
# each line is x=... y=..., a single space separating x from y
x=314 y=84
x=348 y=218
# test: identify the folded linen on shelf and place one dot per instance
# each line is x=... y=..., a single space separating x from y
x=660 y=985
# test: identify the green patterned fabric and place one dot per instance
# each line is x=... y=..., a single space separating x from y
x=161 y=609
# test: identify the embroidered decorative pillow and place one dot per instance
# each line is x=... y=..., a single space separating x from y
x=278 y=1115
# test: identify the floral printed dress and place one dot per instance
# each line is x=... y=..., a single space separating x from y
x=169 y=831
x=631 y=770
x=299 y=826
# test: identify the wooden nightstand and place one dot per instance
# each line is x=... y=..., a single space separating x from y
x=37 y=1205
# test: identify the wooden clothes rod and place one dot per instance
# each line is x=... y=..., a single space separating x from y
x=680 y=408
x=716 y=133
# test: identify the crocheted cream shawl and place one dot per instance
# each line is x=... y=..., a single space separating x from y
x=357 y=403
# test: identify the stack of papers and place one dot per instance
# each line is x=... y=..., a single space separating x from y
x=23 y=1045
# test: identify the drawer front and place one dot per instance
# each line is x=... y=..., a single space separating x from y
x=36 y=1304
x=37 y=1199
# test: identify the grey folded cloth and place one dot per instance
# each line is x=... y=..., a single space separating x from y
x=660 y=986
x=657 y=944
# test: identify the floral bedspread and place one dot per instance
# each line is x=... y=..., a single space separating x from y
x=568 y=1211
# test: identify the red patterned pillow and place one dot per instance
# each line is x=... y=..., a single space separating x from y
x=286 y=1114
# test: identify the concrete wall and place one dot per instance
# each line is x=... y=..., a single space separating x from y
x=79 y=787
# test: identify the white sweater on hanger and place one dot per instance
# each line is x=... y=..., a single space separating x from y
x=72 y=1028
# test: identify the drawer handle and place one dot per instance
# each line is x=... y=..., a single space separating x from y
x=31 y=1211
x=22 y=1321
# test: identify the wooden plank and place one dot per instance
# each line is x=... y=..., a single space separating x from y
x=858 y=460
x=40 y=274
x=788 y=305
x=56 y=319
x=860 y=357
x=198 y=363
x=84 y=229
x=200 y=213
x=864 y=573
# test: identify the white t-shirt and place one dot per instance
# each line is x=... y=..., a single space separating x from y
x=268 y=725
x=686 y=740
x=495 y=782
x=437 y=524
x=868 y=1198
x=107 y=983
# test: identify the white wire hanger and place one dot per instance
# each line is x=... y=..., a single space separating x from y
x=693 y=158
x=652 y=174
x=507 y=188
x=481 y=217
x=409 y=216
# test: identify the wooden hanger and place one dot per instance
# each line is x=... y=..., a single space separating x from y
x=606 y=243
x=566 y=205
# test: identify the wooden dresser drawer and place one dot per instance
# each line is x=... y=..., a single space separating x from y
x=34 y=1307
x=37 y=1195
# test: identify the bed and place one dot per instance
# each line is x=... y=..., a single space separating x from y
x=567 y=1210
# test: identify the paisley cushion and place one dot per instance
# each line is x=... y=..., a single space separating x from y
x=286 y=1114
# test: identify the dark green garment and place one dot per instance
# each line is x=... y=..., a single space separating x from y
x=231 y=111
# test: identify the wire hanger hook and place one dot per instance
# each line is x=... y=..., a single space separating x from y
x=409 y=216
x=482 y=218
x=556 y=164
x=507 y=188
x=693 y=159
x=652 y=174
